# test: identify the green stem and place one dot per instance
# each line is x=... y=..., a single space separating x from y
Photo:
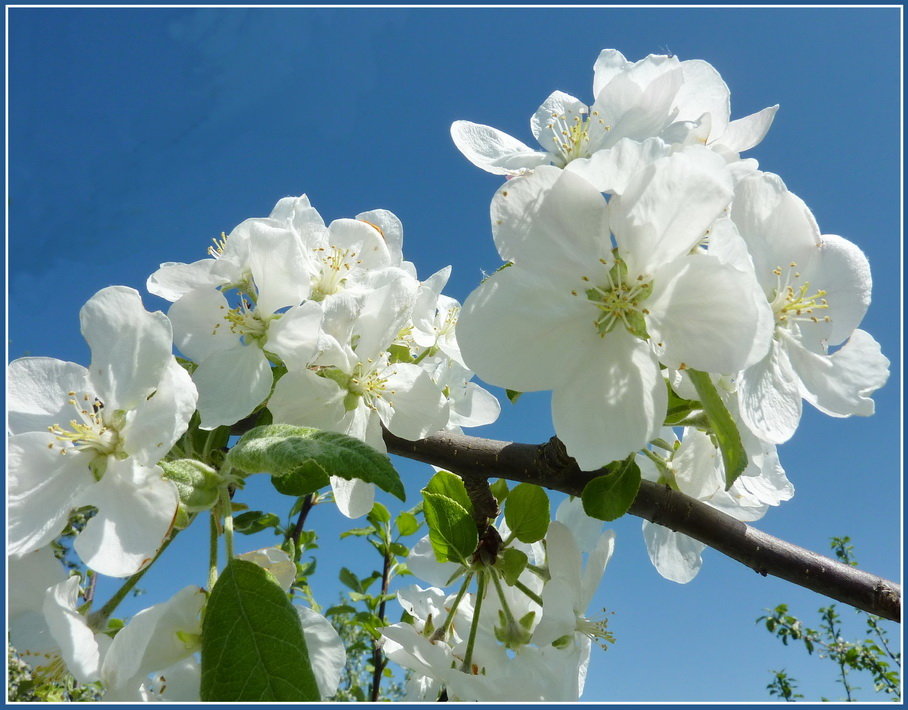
x=529 y=592
x=504 y=601
x=449 y=620
x=423 y=354
x=228 y=523
x=212 y=551
x=471 y=642
x=97 y=620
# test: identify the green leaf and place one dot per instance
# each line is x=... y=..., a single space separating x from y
x=406 y=523
x=255 y=521
x=452 y=531
x=723 y=427
x=513 y=395
x=379 y=514
x=197 y=484
x=301 y=459
x=350 y=579
x=512 y=564
x=526 y=512
x=253 y=648
x=451 y=486
x=610 y=496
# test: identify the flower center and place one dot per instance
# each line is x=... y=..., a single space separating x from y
x=89 y=431
x=620 y=300
x=336 y=263
x=792 y=302
x=572 y=133
x=246 y=321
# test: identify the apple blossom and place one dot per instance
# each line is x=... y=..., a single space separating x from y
x=622 y=310
x=818 y=287
x=124 y=414
x=658 y=96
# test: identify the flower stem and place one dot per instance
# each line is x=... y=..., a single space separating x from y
x=529 y=592
x=443 y=631
x=212 y=551
x=471 y=642
x=228 y=523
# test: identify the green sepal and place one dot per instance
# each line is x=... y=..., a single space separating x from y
x=512 y=395
x=301 y=459
x=723 y=427
x=636 y=324
x=253 y=649
x=526 y=512
x=610 y=496
x=680 y=409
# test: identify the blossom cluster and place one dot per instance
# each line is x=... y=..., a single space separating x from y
x=530 y=641
x=679 y=303
x=326 y=324
x=639 y=246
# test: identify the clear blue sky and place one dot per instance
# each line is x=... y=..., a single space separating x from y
x=136 y=135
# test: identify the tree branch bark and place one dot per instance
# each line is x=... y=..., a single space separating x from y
x=549 y=466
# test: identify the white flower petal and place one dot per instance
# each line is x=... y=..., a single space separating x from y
x=668 y=207
x=173 y=280
x=130 y=347
x=136 y=508
x=595 y=567
x=70 y=630
x=493 y=151
x=200 y=328
x=703 y=91
x=37 y=392
x=419 y=407
x=152 y=639
x=558 y=110
x=611 y=169
x=842 y=271
x=294 y=337
x=231 y=384
x=709 y=315
x=44 y=486
x=327 y=655
x=353 y=497
x=769 y=398
x=474 y=407
x=305 y=399
x=609 y=64
x=552 y=223
x=513 y=329
x=841 y=384
x=613 y=404
x=391 y=230
x=776 y=224
x=745 y=133
x=422 y=562
x=675 y=556
x=156 y=424
x=278 y=267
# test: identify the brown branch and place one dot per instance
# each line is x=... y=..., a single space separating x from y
x=548 y=465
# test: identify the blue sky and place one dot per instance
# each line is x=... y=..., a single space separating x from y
x=136 y=135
